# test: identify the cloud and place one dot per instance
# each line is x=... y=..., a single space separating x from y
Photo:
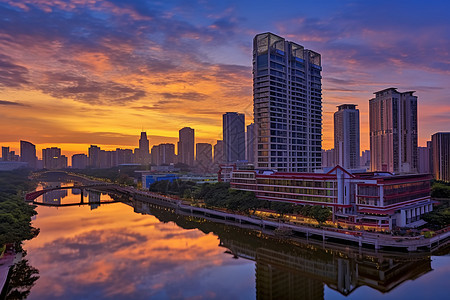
x=191 y=96
x=12 y=75
x=63 y=85
x=11 y=103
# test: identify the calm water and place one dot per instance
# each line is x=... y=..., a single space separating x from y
x=115 y=251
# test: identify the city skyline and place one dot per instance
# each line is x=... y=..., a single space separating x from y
x=97 y=80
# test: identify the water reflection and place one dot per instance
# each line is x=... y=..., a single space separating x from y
x=287 y=270
x=141 y=251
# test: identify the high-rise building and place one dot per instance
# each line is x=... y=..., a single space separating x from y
x=441 y=155
x=346 y=136
x=79 y=161
x=423 y=160
x=186 y=143
x=163 y=154
x=233 y=136
x=28 y=153
x=5 y=153
x=94 y=156
x=52 y=158
x=144 y=150
x=287 y=99
x=393 y=131
x=250 y=143
x=218 y=152
x=328 y=158
x=203 y=156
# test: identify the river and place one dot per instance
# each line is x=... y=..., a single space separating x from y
x=137 y=251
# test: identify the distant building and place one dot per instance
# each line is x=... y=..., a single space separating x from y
x=328 y=158
x=369 y=200
x=163 y=154
x=393 y=131
x=346 y=136
x=28 y=154
x=144 y=150
x=52 y=158
x=186 y=143
x=148 y=179
x=287 y=101
x=423 y=161
x=123 y=156
x=5 y=154
x=441 y=155
x=79 y=161
x=94 y=156
x=365 y=159
x=203 y=156
x=218 y=152
x=234 y=136
x=251 y=143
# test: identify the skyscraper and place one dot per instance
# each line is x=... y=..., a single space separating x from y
x=234 y=136
x=186 y=146
x=441 y=155
x=346 y=136
x=144 y=150
x=393 y=131
x=287 y=99
x=250 y=143
x=28 y=153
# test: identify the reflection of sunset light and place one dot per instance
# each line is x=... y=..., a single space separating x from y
x=99 y=247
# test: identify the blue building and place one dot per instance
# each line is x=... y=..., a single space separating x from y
x=148 y=179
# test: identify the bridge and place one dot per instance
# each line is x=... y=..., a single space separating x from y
x=30 y=197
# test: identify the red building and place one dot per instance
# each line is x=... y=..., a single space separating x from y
x=377 y=200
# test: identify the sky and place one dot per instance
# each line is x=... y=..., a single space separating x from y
x=82 y=72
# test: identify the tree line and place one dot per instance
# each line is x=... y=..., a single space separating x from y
x=15 y=214
x=222 y=196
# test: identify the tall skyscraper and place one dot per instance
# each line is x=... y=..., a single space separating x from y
x=186 y=143
x=144 y=150
x=440 y=145
x=287 y=99
x=233 y=136
x=346 y=136
x=250 y=143
x=203 y=156
x=218 y=152
x=28 y=153
x=393 y=131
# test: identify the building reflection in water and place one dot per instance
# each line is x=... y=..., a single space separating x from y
x=298 y=270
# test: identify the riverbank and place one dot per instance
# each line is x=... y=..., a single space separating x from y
x=359 y=239
x=377 y=241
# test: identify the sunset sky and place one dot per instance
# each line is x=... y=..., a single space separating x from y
x=75 y=73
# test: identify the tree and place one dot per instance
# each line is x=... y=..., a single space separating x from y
x=321 y=214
